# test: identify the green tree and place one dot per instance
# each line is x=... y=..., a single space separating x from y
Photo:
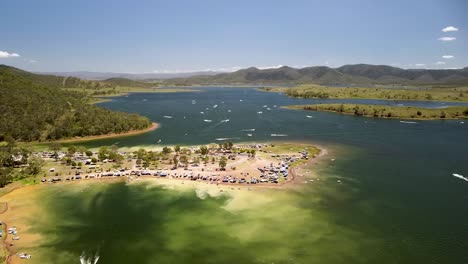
x=103 y=153
x=203 y=150
x=34 y=165
x=176 y=161
x=177 y=148
x=55 y=147
x=5 y=175
x=71 y=150
x=166 y=150
x=253 y=152
x=222 y=162
x=184 y=159
x=89 y=153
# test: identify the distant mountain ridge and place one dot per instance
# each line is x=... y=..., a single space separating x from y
x=99 y=76
x=347 y=74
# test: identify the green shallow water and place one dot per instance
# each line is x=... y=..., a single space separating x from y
x=398 y=201
x=140 y=223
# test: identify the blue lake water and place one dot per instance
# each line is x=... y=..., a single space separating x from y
x=398 y=201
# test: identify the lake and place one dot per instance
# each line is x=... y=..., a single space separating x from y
x=398 y=201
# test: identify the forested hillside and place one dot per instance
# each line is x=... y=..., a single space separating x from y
x=347 y=74
x=33 y=108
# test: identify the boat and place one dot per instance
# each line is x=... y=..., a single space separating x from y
x=260 y=112
x=214 y=106
x=207 y=120
x=223 y=139
x=249 y=135
x=408 y=122
x=202 y=113
x=24 y=256
x=308 y=116
x=268 y=108
x=167 y=117
x=225 y=121
x=460 y=176
x=278 y=135
x=229 y=111
x=159 y=141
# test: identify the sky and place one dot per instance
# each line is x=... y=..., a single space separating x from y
x=221 y=35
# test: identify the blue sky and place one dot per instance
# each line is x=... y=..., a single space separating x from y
x=180 y=36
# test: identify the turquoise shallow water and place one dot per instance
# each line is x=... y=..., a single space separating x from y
x=398 y=201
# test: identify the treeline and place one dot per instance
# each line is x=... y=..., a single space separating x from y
x=385 y=111
x=324 y=92
x=31 y=111
x=17 y=162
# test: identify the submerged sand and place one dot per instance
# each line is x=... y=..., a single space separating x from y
x=23 y=205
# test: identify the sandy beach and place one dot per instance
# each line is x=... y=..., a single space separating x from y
x=18 y=205
x=153 y=127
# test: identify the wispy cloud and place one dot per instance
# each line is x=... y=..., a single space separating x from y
x=448 y=56
x=226 y=69
x=269 y=67
x=449 y=29
x=420 y=64
x=447 y=38
x=4 y=54
x=440 y=63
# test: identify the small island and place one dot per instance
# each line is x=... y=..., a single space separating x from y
x=385 y=111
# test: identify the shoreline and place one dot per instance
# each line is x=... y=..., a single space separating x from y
x=283 y=91
x=295 y=181
x=153 y=127
x=303 y=108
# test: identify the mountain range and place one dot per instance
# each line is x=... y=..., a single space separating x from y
x=99 y=76
x=347 y=74
x=360 y=74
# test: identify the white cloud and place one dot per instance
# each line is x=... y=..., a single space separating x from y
x=449 y=29
x=447 y=38
x=440 y=63
x=448 y=56
x=269 y=67
x=420 y=64
x=4 y=54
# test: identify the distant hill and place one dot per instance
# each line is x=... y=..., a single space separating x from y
x=32 y=107
x=98 y=76
x=54 y=81
x=126 y=82
x=347 y=74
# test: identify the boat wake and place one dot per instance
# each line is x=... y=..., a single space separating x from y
x=408 y=122
x=225 y=121
x=86 y=258
x=278 y=135
x=459 y=176
x=248 y=129
x=223 y=139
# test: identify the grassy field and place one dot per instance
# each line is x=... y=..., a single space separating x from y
x=407 y=93
x=384 y=111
